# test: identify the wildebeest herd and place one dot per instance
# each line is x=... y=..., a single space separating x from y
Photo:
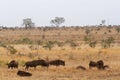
x=34 y=63
x=99 y=64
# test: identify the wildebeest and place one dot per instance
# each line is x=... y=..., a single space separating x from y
x=35 y=63
x=92 y=64
x=23 y=73
x=13 y=64
x=57 y=62
x=100 y=64
x=81 y=67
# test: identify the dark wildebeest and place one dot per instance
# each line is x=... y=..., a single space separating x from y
x=35 y=63
x=81 y=67
x=57 y=62
x=92 y=64
x=43 y=63
x=13 y=64
x=23 y=73
x=100 y=64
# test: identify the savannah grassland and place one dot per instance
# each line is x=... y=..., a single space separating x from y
x=73 y=55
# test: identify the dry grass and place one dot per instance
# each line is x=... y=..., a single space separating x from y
x=73 y=57
x=82 y=57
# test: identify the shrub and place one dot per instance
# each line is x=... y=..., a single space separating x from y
x=93 y=44
x=30 y=55
x=105 y=32
x=107 y=43
x=60 y=44
x=72 y=43
x=24 y=41
x=49 y=45
x=86 y=39
x=12 y=49
x=109 y=31
x=39 y=42
x=87 y=31
x=2 y=45
x=118 y=29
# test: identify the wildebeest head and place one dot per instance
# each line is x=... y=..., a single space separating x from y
x=100 y=64
x=92 y=64
x=13 y=64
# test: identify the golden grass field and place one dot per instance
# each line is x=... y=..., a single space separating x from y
x=81 y=55
x=73 y=58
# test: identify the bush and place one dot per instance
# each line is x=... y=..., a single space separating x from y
x=48 y=45
x=2 y=45
x=93 y=44
x=87 y=31
x=31 y=55
x=60 y=44
x=24 y=41
x=86 y=39
x=72 y=43
x=12 y=49
x=107 y=43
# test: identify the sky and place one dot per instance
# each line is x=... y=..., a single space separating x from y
x=75 y=12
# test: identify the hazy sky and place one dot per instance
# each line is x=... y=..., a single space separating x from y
x=76 y=12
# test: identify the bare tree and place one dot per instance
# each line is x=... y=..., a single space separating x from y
x=57 y=21
x=103 y=22
x=28 y=23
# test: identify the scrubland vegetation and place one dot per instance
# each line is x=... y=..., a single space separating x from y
x=75 y=45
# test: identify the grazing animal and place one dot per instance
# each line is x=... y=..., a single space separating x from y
x=35 y=63
x=23 y=73
x=100 y=64
x=57 y=62
x=81 y=67
x=92 y=64
x=43 y=63
x=13 y=64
